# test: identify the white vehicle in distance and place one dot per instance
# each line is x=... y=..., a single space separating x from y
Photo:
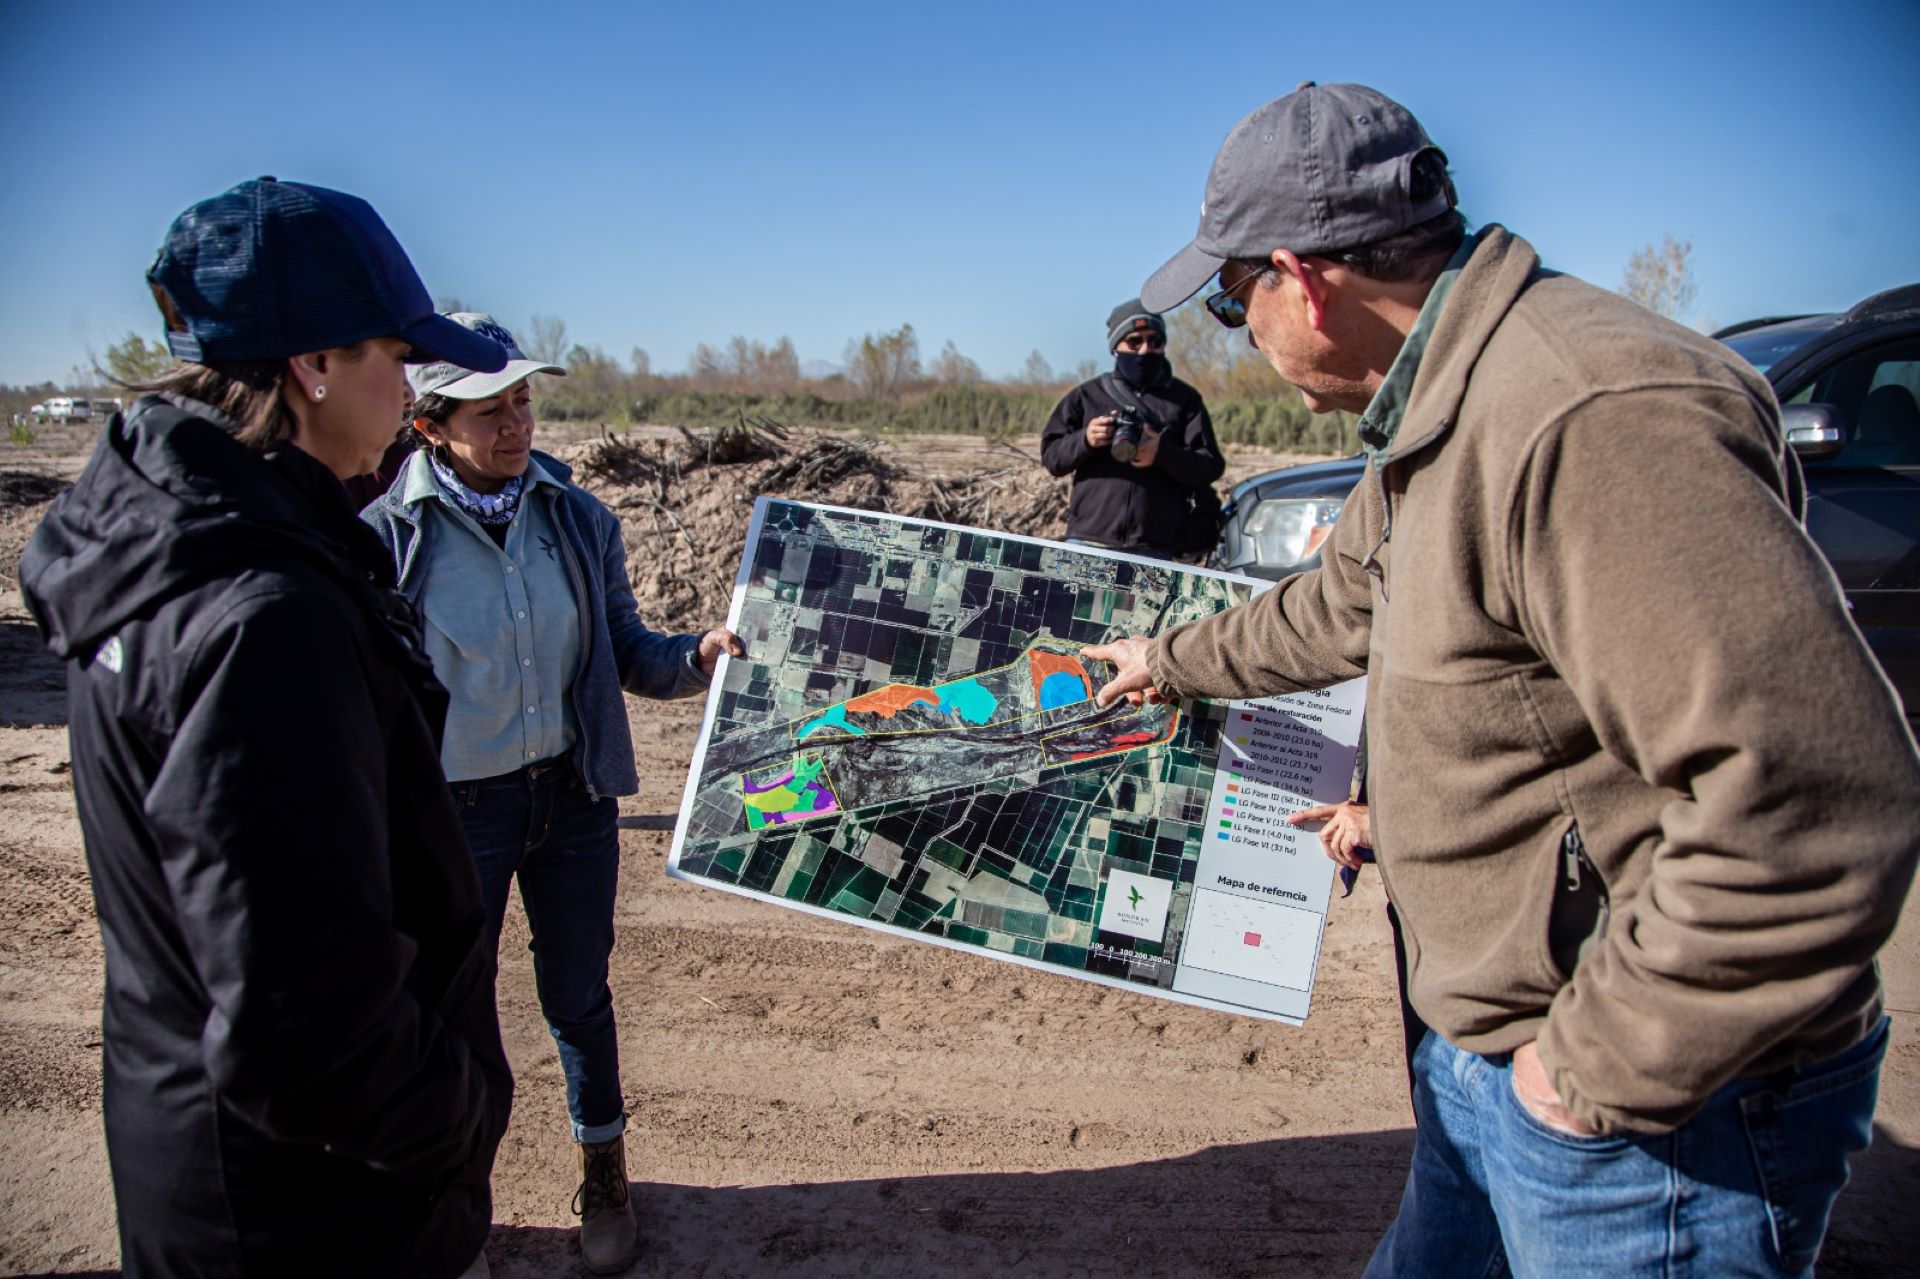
x=68 y=408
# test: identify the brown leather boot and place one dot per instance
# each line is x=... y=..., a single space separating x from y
x=608 y=1231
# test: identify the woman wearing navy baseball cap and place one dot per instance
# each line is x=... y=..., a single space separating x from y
x=302 y=1067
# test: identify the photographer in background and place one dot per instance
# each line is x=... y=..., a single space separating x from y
x=1140 y=447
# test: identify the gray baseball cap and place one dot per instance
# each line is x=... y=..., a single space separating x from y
x=457 y=383
x=1327 y=167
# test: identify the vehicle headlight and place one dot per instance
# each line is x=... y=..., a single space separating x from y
x=1285 y=531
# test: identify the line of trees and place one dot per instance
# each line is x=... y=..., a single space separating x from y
x=883 y=383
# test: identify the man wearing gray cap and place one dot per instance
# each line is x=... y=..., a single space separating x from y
x=1139 y=446
x=1640 y=796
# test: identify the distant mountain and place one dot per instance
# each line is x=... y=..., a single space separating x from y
x=817 y=369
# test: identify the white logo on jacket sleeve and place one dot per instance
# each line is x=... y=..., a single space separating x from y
x=112 y=655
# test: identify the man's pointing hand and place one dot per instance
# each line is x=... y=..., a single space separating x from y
x=1130 y=677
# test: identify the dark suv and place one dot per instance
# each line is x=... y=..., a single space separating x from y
x=1849 y=388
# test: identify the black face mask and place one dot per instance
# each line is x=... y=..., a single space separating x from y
x=1141 y=370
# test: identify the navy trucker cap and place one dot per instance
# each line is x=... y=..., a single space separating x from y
x=272 y=269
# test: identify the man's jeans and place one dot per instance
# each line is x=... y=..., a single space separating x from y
x=540 y=824
x=1742 y=1188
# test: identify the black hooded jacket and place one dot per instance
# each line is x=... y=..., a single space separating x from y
x=302 y=1067
x=1117 y=503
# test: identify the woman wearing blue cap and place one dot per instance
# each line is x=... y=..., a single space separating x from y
x=520 y=579
x=302 y=1069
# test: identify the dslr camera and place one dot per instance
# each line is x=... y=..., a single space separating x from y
x=1126 y=434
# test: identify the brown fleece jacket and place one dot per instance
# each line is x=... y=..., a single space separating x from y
x=1583 y=603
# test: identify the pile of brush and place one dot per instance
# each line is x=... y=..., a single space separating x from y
x=684 y=504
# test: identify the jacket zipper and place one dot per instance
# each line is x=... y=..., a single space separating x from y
x=1371 y=565
x=1576 y=863
x=576 y=579
x=1581 y=906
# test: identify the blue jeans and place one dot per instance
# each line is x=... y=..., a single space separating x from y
x=1742 y=1188
x=541 y=825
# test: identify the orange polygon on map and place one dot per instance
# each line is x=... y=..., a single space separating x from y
x=891 y=700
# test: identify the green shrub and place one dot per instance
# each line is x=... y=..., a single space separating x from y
x=1284 y=424
x=994 y=413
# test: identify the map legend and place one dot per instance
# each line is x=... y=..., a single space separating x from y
x=1261 y=886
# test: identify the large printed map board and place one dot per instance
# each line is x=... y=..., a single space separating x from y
x=911 y=744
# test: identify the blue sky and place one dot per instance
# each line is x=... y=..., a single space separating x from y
x=996 y=174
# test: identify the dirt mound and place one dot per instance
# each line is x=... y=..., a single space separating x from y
x=684 y=504
x=28 y=488
x=24 y=498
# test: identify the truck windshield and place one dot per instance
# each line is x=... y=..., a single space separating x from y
x=1765 y=347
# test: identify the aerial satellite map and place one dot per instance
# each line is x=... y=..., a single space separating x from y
x=912 y=743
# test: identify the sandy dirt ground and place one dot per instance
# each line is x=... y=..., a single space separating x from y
x=812 y=1098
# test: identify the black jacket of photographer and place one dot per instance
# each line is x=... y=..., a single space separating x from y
x=1116 y=503
x=302 y=1067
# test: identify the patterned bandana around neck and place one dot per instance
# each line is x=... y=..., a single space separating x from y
x=484 y=508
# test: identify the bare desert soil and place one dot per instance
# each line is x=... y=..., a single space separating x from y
x=811 y=1098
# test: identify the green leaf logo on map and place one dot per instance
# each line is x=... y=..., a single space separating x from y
x=1136 y=905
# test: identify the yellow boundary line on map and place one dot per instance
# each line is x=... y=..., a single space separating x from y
x=1172 y=728
x=1037 y=744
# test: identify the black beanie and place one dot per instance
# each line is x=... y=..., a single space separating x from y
x=1127 y=317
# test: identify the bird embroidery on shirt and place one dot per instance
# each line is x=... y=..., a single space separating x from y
x=548 y=545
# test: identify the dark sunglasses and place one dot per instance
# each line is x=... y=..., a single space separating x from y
x=1228 y=309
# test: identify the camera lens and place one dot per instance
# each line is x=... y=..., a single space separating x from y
x=1125 y=444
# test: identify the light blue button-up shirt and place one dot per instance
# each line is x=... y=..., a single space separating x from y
x=502 y=627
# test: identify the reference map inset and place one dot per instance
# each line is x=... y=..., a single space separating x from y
x=912 y=743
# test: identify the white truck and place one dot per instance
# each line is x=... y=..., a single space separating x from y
x=68 y=408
